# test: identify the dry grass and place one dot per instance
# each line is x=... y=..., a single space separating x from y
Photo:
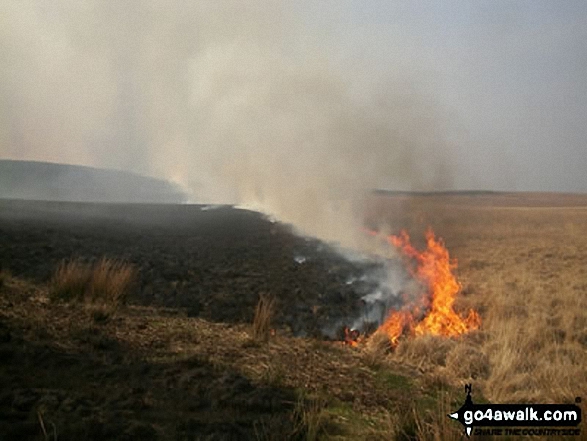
x=376 y=349
x=310 y=417
x=70 y=281
x=310 y=422
x=343 y=398
x=263 y=316
x=535 y=320
x=425 y=352
x=467 y=361
x=523 y=265
x=524 y=270
x=434 y=425
x=103 y=287
x=111 y=282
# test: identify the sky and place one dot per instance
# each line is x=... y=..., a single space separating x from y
x=298 y=107
x=511 y=77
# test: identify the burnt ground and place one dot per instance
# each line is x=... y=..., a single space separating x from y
x=212 y=262
x=179 y=362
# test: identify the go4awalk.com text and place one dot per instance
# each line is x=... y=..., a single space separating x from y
x=518 y=419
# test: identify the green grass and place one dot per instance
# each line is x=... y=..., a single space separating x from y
x=386 y=378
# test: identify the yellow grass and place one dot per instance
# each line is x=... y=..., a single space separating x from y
x=70 y=281
x=111 y=281
x=524 y=268
x=102 y=286
x=262 y=319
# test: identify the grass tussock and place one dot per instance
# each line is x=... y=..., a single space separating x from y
x=377 y=348
x=111 y=281
x=311 y=418
x=103 y=286
x=263 y=315
x=70 y=281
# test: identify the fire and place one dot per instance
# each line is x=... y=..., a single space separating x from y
x=352 y=337
x=434 y=315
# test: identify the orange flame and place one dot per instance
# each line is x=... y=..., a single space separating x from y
x=434 y=270
x=351 y=337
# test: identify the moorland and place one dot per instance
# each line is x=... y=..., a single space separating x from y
x=177 y=352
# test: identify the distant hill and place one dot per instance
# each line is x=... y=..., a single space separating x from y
x=383 y=192
x=60 y=182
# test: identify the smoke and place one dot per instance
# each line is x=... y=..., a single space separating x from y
x=239 y=102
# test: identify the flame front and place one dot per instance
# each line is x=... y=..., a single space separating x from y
x=433 y=268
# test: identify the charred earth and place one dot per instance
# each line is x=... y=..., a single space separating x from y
x=213 y=261
x=178 y=362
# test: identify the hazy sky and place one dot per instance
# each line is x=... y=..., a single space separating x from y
x=438 y=94
x=510 y=76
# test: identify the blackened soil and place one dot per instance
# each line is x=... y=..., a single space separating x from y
x=144 y=377
x=213 y=262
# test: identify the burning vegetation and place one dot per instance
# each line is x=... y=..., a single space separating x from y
x=432 y=313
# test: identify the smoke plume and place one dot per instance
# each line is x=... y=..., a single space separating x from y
x=238 y=102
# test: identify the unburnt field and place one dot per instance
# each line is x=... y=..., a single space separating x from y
x=522 y=261
x=181 y=361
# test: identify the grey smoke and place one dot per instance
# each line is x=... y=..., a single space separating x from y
x=299 y=108
x=234 y=101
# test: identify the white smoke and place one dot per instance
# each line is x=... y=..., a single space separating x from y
x=238 y=102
